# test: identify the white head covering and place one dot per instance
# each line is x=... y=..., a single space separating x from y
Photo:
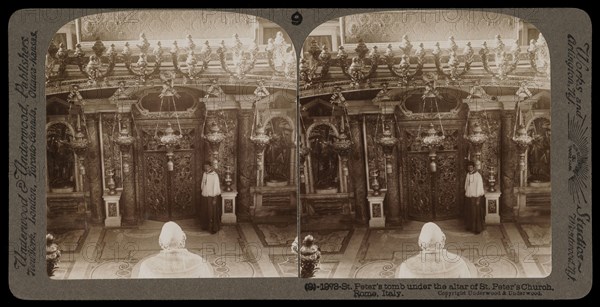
x=171 y=236
x=431 y=237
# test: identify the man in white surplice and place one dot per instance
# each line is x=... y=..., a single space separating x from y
x=211 y=189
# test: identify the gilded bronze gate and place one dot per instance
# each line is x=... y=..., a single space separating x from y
x=169 y=195
x=430 y=196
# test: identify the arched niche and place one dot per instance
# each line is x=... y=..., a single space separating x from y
x=323 y=161
x=279 y=154
x=61 y=164
x=538 y=154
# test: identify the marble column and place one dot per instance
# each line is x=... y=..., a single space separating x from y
x=245 y=161
x=358 y=172
x=393 y=194
x=128 y=204
x=508 y=168
x=93 y=170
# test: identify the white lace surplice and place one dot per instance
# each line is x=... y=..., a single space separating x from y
x=441 y=265
x=175 y=263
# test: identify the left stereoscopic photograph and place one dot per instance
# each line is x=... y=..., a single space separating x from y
x=170 y=147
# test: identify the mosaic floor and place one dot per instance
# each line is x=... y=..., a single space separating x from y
x=501 y=251
x=235 y=251
x=263 y=250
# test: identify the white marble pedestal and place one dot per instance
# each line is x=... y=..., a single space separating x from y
x=377 y=217
x=112 y=210
x=228 y=207
x=492 y=208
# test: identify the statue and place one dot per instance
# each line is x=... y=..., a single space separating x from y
x=261 y=90
x=538 y=156
x=310 y=256
x=52 y=255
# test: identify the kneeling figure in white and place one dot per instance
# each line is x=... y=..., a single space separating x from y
x=434 y=261
x=174 y=260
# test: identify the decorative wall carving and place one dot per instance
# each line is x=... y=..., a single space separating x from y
x=182 y=185
x=155 y=188
x=60 y=160
x=490 y=151
x=375 y=156
x=419 y=186
x=391 y=26
x=432 y=196
x=228 y=153
x=538 y=154
x=169 y=195
x=161 y=24
x=278 y=152
x=447 y=188
x=112 y=155
x=324 y=160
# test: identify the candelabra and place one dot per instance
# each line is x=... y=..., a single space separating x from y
x=243 y=61
x=506 y=62
x=539 y=56
x=192 y=70
x=125 y=141
x=477 y=138
x=402 y=71
x=374 y=182
x=53 y=57
x=522 y=140
x=387 y=142
x=355 y=71
x=170 y=140
x=214 y=138
x=432 y=141
x=492 y=179
x=343 y=146
x=111 y=185
x=80 y=145
x=260 y=140
x=453 y=72
x=281 y=61
x=228 y=179
x=92 y=70
x=319 y=57
x=141 y=69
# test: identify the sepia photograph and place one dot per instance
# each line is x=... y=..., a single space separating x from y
x=425 y=141
x=299 y=153
x=170 y=147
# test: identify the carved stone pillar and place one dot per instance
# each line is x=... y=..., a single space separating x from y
x=473 y=118
x=358 y=172
x=508 y=165
x=393 y=194
x=245 y=161
x=128 y=196
x=93 y=170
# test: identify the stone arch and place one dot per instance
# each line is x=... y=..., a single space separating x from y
x=73 y=170
x=313 y=125
x=288 y=120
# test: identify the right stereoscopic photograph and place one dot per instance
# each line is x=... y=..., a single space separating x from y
x=424 y=147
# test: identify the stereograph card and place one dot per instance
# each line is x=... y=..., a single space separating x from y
x=300 y=154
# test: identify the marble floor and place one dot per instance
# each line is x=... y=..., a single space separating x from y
x=241 y=250
x=263 y=249
x=508 y=250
